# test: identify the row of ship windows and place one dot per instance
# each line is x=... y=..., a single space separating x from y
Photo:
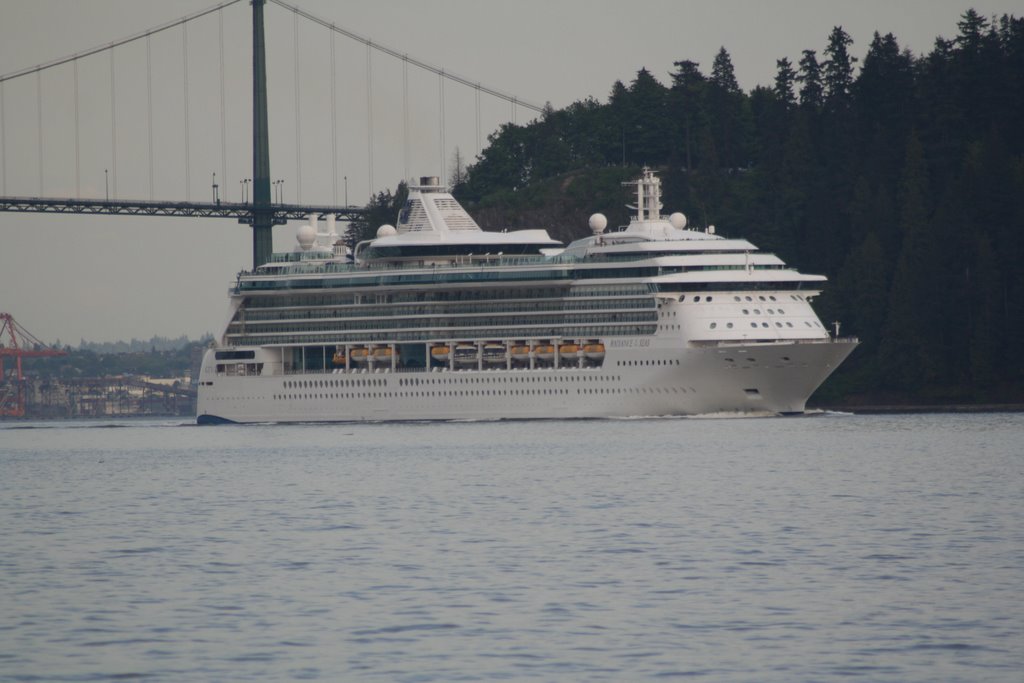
x=380 y=382
x=764 y=324
x=532 y=293
x=446 y=323
x=553 y=391
x=760 y=297
x=654 y=361
x=242 y=339
x=446 y=309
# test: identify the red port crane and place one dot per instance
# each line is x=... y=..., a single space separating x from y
x=16 y=342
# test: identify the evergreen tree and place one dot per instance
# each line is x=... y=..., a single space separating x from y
x=907 y=346
x=838 y=69
x=785 y=77
x=687 y=95
x=811 y=89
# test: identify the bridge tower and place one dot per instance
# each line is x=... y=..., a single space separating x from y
x=263 y=213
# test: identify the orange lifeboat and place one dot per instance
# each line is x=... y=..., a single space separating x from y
x=545 y=352
x=339 y=357
x=594 y=351
x=359 y=354
x=441 y=353
x=383 y=354
x=568 y=350
x=520 y=352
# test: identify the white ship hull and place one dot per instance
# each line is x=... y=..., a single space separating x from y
x=755 y=379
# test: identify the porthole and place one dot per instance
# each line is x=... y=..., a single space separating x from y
x=789 y=324
x=729 y=325
x=771 y=297
x=753 y=324
x=696 y=299
x=736 y=298
x=778 y=324
x=764 y=324
x=714 y=325
x=748 y=298
x=761 y=298
x=757 y=311
x=771 y=312
x=708 y=299
x=746 y=311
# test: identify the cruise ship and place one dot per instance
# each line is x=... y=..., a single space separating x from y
x=436 y=319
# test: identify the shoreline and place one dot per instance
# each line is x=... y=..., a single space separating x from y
x=929 y=408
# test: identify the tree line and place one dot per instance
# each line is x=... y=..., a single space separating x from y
x=899 y=176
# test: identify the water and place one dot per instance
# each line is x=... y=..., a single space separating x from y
x=805 y=549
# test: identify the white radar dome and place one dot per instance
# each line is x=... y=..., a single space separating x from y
x=678 y=220
x=386 y=230
x=306 y=235
x=598 y=223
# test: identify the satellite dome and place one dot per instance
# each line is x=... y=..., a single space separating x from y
x=306 y=235
x=678 y=220
x=598 y=223
x=386 y=230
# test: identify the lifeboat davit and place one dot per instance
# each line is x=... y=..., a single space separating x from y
x=594 y=351
x=339 y=358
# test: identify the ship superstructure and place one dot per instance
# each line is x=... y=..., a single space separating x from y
x=438 y=319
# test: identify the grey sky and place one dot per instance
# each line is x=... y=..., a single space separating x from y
x=106 y=278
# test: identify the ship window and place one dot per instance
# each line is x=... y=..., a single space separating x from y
x=753 y=324
x=714 y=325
x=757 y=311
x=770 y=311
x=778 y=324
x=736 y=298
x=789 y=324
x=748 y=298
x=746 y=311
x=782 y=312
x=771 y=297
x=764 y=324
x=708 y=299
x=696 y=299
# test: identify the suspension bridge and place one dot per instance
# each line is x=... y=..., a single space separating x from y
x=158 y=121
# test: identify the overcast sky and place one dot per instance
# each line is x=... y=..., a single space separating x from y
x=108 y=278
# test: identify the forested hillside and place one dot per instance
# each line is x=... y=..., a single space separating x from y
x=901 y=177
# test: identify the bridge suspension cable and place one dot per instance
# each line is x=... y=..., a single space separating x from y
x=513 y=100
x=117 y=43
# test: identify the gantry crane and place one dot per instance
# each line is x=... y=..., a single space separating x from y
x=16 y=342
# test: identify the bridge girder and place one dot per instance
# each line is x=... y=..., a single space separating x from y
x=243 y=212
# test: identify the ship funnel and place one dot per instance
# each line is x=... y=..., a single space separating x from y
x=430 y=180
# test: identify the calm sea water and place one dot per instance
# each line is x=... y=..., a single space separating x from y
x=806 y=549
